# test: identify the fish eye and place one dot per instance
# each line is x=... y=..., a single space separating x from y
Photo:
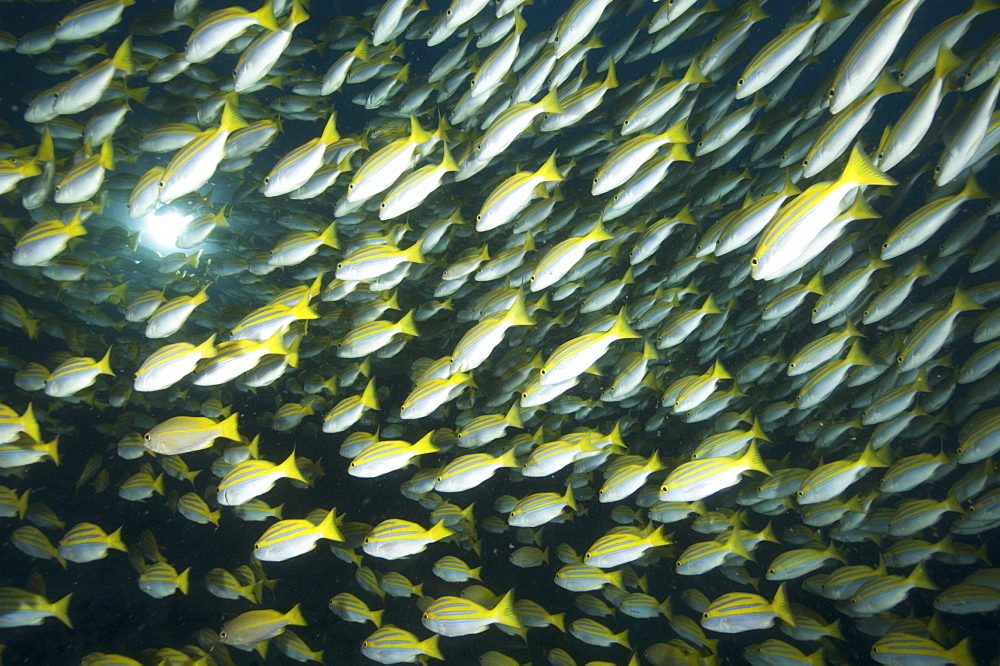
x=830 y=93
x=147 y=437
x=256 y=546
x=160 y=184
x=542 y=372
x=524 y=396
x=447 y=13
x=800 y=493
x=267 y=179
x=595 y=181
x=350 y=186
x=754 y=261
x=739 y=83
x=937 y=169
x=899 y=359
x=704 y=616
x=222 y=634
x=627 y=122
x=479 y=218
x=805 y=163
x=701 y=143
x=815 y=310
x=136 y=375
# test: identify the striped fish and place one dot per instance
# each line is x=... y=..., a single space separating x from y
x=289 y=538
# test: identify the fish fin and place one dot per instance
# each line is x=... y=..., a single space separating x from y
x=182 y=580
x=862 y=171
x=265 y=17
x=946 y=62
x=569 y=499
x=781 y=606
x=60 y=610
x=295 y=617
x=406 y=325
x=961 y=654
x=506 y=615
x=439 y=531
x=115 y=541
x=550 y=103
x=430 y=647
x=228 y=428
x=330 y=134
x=104 y=365
x=830 y=11
x=425 y=445
x=509 y=458
x=752 y=460
x=123 y=56
x=918 y=578
x=369 y=398
x=549 y=172
x=678 y=133
x=290 y=469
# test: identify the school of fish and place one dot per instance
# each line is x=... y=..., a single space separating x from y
x=705 y=367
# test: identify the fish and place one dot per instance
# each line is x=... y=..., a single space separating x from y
x=454 y=616
x=289 y=538
x=248 y=629
x=21 y=608
x=183 y=434
x=708 y=242
x=394 y=538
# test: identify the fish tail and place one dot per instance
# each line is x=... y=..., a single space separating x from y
x=430 y=647
x=229 y=428
x=550 y=103
x=781 y=606
x=549 y=172
x=295 y=617
x=290 y=469
x=60 y=609
x=861 y=170
x=369 y=398
x=406 y=325
x=439 y=531
x=265 y=16
x=182 y=580
x=946 y=62
x=123 y=56
x=52 y=449
x=115 y=541
x=919 y=578
x=505 y=614
x=569 y=499
x=752 y=460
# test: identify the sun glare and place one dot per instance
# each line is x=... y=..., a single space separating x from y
x=162 y=229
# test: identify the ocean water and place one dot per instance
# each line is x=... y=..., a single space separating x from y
x=111 y=614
